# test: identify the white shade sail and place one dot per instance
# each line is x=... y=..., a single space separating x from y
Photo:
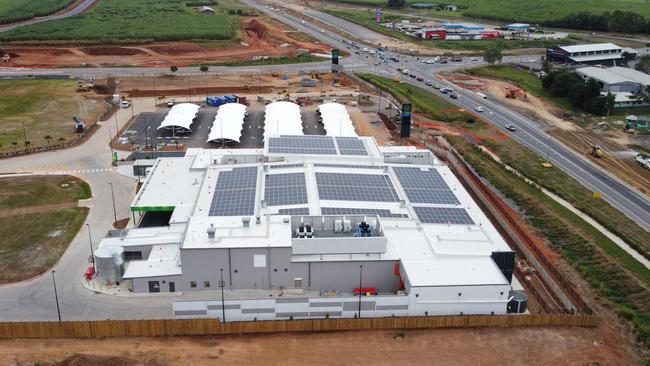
x=336 y=120
x=282 y=118
x=181 y=115
x=228 y=123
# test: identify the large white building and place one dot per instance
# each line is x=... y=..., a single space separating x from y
x=629 y=86
x=322 y=218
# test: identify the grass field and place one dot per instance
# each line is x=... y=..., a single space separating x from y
x=33 y=241
x=119 y=21
x=523 y=79
x=17 y=10
x=530 y=11
x=614 y=274
x=367 y=19
x=273 y=61
x=45 y=107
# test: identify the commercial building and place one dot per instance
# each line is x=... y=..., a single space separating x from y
x=629 y=86
x=607 y=54
x=323 y=219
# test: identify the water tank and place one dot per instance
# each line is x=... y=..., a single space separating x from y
x=518 y=302
x=110 y=263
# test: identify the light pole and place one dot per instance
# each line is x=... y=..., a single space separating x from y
x=113 y=197
x=117 y=129
x=92 y=254
x=222 y=284
x=56 y=297
x=360 y=278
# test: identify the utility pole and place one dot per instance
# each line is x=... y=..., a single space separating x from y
x=222 y=284
x=360 y=278
x=56 y=297
x=92 y=254
x=113 y=197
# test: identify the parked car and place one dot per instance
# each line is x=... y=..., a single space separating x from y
x=419 y=78
x=444 y=90
x=510 y=127
x=428 y=83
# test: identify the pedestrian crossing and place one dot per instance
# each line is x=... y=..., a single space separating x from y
x=82 y=171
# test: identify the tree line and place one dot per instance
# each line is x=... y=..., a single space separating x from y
x=625 y=22
x=581 y=93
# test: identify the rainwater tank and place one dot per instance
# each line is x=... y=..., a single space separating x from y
x=110 y=263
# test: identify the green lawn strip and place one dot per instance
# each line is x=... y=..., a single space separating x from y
x=33 y=243
x=272 y=61
x=574 y=238
x=117 y=20
x=522 y=79
x=19 y=10
x=640 y=148
x=21 y=192
x=423 y=102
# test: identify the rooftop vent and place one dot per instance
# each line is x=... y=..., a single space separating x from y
x=211 y=231
x=246 y=221
x=258 y=219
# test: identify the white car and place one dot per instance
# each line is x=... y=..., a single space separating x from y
x=479 y=109
x=125 y=103
x=170 y=102
x=510 y=127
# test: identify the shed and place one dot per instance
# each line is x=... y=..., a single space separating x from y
x=518 y=27
x=450 y=8
x=206 y=10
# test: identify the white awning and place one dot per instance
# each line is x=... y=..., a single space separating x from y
x=336 y=120
x=228 y=123
x=181 y=115
x=282 y=118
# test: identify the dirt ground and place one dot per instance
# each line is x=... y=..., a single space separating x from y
x=617 y=158
x=259 y=37
x=481 y=346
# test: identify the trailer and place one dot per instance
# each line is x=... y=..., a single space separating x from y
x=643 y=160
x=230 y=98
x=215 y=101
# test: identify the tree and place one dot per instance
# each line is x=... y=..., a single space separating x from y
x=610 y=99
x=644 y=64
x=61 y=139
x=626 y=57
x=48 y=138
x=396 y=4
x=492 y=55
x=27 y=144
x=14 y=144
x=204 y=68
x=546 y=67
x=174 y=68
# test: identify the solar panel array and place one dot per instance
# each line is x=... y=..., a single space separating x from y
x=443 y=215
x=234 y=194
x=424 y=186
x=285 y=189
x=351 y=146
x=286 y=166
x=359 y=211
x=355 y=187
x=323 y=165
x=309 y=144
x=298 y=211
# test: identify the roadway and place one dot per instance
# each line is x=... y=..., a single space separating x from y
x=78 y=9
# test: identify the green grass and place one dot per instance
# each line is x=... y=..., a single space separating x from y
x=19 y=10
x=121 y=21
x=524 y=79
x=20 y=192
x=615 y=274
x=367 y=19
x=423 y=101
x=530 y=11
x=640 y=148
x=273 y=61
x=44 y=108
x=38 y=244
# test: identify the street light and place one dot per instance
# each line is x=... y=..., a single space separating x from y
x=90 y=241
x=222 y=284
x=56 y=297
x=360 y=277
x=113 y=197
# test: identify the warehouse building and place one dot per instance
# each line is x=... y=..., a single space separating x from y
x=607 y=54
x=337 y=224
x=629 y=86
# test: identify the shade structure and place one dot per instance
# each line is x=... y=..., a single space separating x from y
x=282 y=118
x=180 y=116
x=228 y=123
x=336 y=120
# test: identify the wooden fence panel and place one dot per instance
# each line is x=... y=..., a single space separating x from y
x=185 y=327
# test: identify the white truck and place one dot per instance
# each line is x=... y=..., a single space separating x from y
x=643 y=160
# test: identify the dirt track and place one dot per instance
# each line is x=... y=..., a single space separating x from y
x=484 y=346
x=260 y=37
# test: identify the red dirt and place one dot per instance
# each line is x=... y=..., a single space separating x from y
x=173 y=49
x=112 y=51
x=256 y=28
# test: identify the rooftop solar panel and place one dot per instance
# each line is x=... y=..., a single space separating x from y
x=425 y=186
x=351 y=146
x=359 y=211
x=285 y=189
x=319 y=145
x=323 y=165
x=286 y=166
x=234 y=194
x=443 y=215
x=355 y=187
x=298 y=211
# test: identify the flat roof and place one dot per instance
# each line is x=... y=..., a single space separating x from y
x=590 y=47
x=611 y=56
x=453 y=271
x=164 y=260
x=230 y=232
x=615 y=75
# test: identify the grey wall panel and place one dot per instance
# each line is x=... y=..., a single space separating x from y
x=295 y=315
x=292 y=300
x=190 y=312
x=344 y=276
x=202 y=265
x=258 y=311
x=227 y=306
x=325 y=313
x=354 y=306
x=392 y=307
